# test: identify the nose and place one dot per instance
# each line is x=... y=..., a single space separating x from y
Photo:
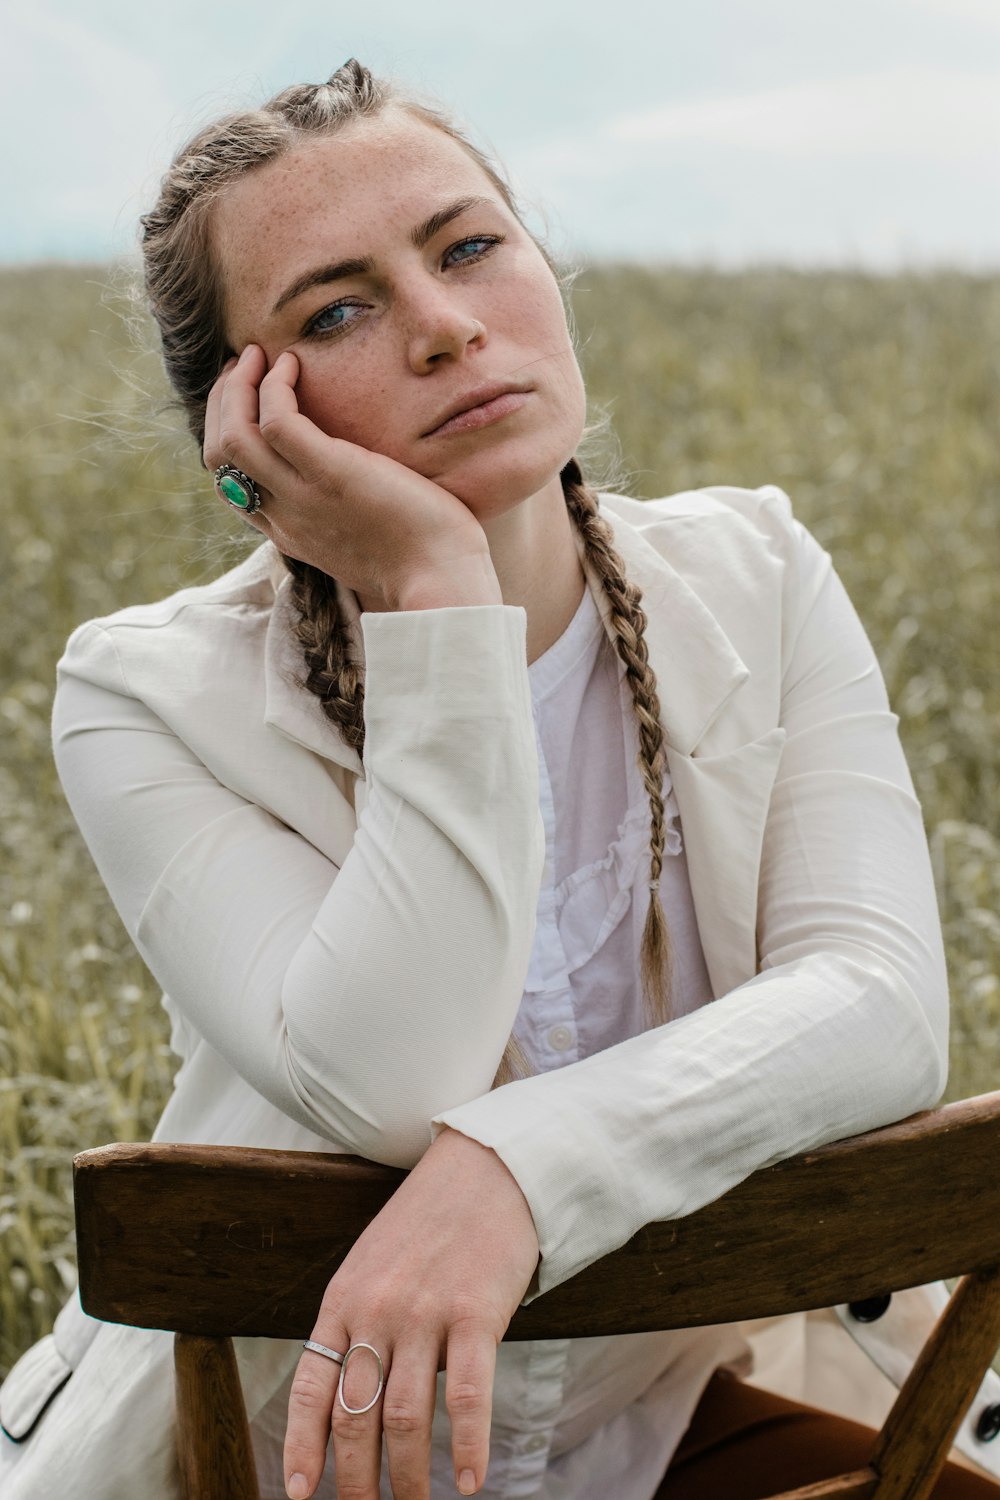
x=441 y=327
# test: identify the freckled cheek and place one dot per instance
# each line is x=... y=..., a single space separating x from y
x=538 y=312
x=347 y=405
x=544 y=336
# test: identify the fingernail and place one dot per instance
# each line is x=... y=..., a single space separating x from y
x=297 y=1487
x=240 y=361
x=467 y=1482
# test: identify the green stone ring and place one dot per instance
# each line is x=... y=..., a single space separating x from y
x=232 y=485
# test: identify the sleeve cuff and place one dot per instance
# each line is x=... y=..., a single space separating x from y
x=471 y=661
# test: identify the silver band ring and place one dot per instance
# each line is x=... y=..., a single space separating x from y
x=237 y=488
x=357 y=1411
x=322 y=1349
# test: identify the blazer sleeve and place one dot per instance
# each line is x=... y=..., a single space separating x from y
x=844 y=1027
x=358 y=1001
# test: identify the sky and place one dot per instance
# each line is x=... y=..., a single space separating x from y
x=724 y=132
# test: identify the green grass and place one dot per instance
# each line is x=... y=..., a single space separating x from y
x=873 y=401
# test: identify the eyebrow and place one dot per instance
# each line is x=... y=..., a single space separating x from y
x=364 y=265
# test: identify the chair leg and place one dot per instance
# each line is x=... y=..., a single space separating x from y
x=918 y=1432
x=213 y=1435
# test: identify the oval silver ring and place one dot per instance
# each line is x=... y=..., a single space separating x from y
x=357 y=1411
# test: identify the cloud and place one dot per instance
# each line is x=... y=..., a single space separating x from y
x=74 y=105
x=981 y=12
x=883 y=168
x=906 y=111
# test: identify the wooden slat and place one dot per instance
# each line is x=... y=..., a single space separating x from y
x=215 y=1240
x=213 y=1436
x=857 y=1486
x=918 y=1432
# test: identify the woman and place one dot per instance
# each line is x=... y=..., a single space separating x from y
x=373 y=353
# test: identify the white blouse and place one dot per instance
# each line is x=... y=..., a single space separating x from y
x=589 y=1417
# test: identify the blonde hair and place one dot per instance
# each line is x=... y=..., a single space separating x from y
x=184 y=290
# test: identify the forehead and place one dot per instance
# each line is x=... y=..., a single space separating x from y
x=335 y=197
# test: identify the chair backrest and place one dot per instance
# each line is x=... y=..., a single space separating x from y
x=210 y=1242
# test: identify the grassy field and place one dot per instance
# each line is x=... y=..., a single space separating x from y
x=874 y=402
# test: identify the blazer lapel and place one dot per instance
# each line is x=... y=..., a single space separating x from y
x=723 y=801
x=723 y=797
x=697 y=669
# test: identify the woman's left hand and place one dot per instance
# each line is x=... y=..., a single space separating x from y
x=432 y=1283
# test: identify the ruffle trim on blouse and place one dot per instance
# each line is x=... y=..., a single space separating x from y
x=589 y=904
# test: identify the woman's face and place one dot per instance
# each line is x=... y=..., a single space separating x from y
x=388 y=262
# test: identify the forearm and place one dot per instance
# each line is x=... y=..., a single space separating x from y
x=668 y=1121
x=844 y=1027
x=359 y=1002
x=435 y=903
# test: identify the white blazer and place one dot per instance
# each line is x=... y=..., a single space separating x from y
x=344 y=946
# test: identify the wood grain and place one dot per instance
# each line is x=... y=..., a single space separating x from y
x=213 y=1437
x=216 y=1240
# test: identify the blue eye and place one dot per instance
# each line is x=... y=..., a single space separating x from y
x=473 y=248
x=334 y=318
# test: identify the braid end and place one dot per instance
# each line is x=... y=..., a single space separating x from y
x=513 y=1065
x=655 y=964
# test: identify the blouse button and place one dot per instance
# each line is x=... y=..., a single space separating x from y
x=561 y=1038
x=537 y=1443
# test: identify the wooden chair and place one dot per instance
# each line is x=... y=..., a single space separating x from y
x=209 y=1242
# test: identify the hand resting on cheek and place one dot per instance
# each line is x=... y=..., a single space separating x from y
x=397 y=539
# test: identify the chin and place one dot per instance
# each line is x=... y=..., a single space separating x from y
x=497 y=493
x=491 y=483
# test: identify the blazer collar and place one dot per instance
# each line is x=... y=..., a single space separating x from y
x=697 y=670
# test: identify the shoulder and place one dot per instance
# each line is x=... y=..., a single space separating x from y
x=728 y=543
x=189 y=628
x=760 y=517
x=756 y=572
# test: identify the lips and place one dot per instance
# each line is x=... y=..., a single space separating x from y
x=491 y=398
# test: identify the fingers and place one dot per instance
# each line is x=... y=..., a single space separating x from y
x=310 y=1403
x=407 y=1419
x=232 y=423
x=291 y=435
x=404 y=1413
x=210 y=447
x=315 y=1409
x=472 y=1357
x=232 y=402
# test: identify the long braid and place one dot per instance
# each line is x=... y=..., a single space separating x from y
x=331 y=674
x=629 y=620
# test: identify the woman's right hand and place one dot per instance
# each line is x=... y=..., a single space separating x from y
x=397 y=539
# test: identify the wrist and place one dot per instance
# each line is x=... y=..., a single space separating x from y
x=470 y=580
